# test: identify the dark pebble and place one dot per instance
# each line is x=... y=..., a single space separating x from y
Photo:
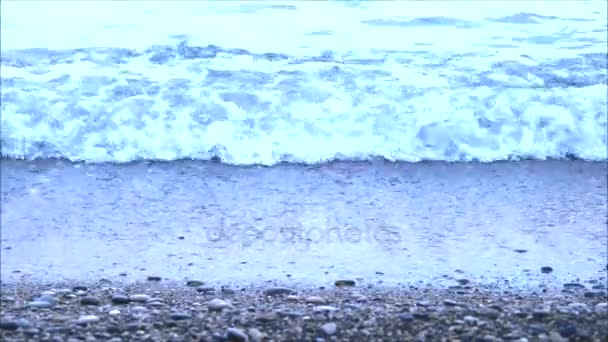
x=120 y=299
x=154 y=278
x=90 y=301
x=79 y=288
x=278 y=291
x=344 y=282
x=406 y=316
x=205 y=290
x=546 y=269
x=521 y=250
x=180 y=316
x=236 y=335
x=463 y=281
x=421 y=316
x=8 y=325
x=574 y=286
x=195 y=283
x=594 y=294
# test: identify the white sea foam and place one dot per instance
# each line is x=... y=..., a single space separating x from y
x=303 y=81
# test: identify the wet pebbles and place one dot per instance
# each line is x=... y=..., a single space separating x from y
x=158 y=311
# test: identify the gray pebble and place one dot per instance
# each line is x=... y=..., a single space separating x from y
x=601 y=308
x=315 y=300
x=278 y=291
x=120 y=299
x=140 y=298
x=406 y=316
x=40 y=304
x=329 y=328
x=255 y=335
x=154 y=278
x=205 y=290
x=89 y=300
x=546 y=269
x=324 y=308
x=236 y=335
x=87 y=319
x=217 y=304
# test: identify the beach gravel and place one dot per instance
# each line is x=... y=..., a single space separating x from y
x=165 y=311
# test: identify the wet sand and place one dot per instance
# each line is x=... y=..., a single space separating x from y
x=375 y=222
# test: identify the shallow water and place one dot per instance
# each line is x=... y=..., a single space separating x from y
x=373 y=221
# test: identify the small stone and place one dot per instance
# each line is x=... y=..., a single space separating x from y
x=140 y=298
x=255 y=335
x=292 y=298
x=546 y=269
x=315 y=300
x=217 y=304
x=236 y=335
x=601 y=309
x=120 y=299
x=205 y=290
x=40 y=304
x=519 y=250
x=87 y=319
x=180 y=316
x=324 y=308
x=194 y=283
x=79 y=288
x=114 y=312
x=574 y=286
x=89 y=300
x=266 y=317
x=278 y=291
x=154 y=278
x=329 y=328
x=48 y=293
x=450 y=302
x=594 y=294
x=463 y=281
x=139 y=309
x=8 y=325
x=344 y=282
x=471 y=320
x=63 y=292
x=406 y=317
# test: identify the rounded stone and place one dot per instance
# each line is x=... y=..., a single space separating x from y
x=329 y=328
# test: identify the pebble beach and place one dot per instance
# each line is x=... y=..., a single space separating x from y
x=192 y=311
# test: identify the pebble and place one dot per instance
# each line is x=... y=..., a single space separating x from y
x=154 y=278
x=120 y=299
x=114 y=312
x=329 y=328
x=324 y=308
x=195 y=283
x=406 y=316
x=255 y=335
x=88 y=300
x=344 y=282
x=278 y=291
x=574 y=286
x=546 y=269
x=601 y=308
x=87 y=319
x=217 y=304
x=205 y=290
x=179 y=316
x=450 y=302
x=266 y=317
x=292 y=298
x=315 y=300
x=8 y=325
x=140 y=298
x=40 y=304
x=236 y=335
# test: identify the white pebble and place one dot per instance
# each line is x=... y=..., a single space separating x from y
x=601 y=308
x=321 y=308
x=218 y=304
x=87 y=319
x=114 y=312
x=142 y=298
x=315 y=300
x=329 y=328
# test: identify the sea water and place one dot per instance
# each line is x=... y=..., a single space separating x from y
x=303 y=81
